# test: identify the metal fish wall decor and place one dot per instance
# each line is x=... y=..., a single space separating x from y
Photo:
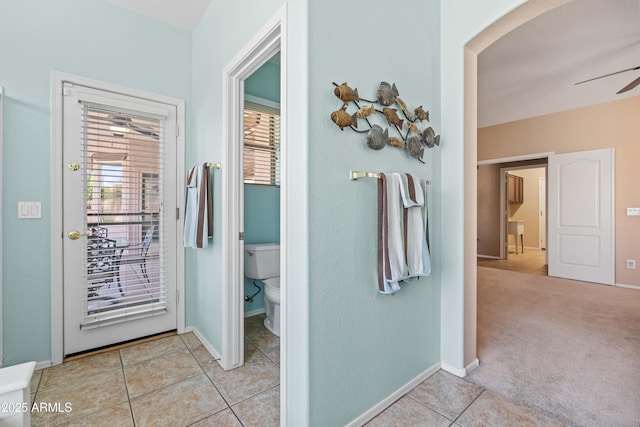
x=410 y=137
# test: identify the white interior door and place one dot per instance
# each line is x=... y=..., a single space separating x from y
x=581 y=233
x=119 y=221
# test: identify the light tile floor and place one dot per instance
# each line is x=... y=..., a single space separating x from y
x=174 y=381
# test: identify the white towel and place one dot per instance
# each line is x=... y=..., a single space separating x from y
x=198 y=218
x=402 y=231
x=413 y=192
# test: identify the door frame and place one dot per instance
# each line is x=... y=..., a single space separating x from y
x=503 y=193
x=542 y=218
x=57 y=235
x=270 y=39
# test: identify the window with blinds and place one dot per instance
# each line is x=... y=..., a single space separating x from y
x=122 y=189
x=261 y=144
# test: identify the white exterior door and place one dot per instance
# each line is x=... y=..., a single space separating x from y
x=119 y=218
x=581 y=233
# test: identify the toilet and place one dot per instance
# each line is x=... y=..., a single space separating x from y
x=262 y=262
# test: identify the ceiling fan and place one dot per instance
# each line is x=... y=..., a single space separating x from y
x=122 y=124
x=628 y=87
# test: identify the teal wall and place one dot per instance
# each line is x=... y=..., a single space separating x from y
x=261 y=202
x=348 y=347
x=76 y=37
x=216 y=40
x=264 y=82
x=261 y=225
x=363 y=345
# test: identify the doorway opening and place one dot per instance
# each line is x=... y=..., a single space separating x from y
x=512 y=215
x=265 y=45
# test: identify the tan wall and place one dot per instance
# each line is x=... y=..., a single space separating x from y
x=528 y=210
x=614 y=124
x=489 y=210
x=489 y=207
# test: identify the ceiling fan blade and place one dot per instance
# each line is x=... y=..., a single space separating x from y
x=630 y=86
x=607 y=75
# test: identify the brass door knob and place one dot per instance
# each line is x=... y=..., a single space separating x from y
x=75 y=235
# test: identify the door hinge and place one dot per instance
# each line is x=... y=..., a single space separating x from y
x=241 y=236
x=177 y=213
x=177 y=129
x=177 y=296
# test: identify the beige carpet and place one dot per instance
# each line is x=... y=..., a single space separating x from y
x=570 y=350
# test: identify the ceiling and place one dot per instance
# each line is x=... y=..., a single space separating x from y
x=532 y=70
x=529 y=72
x=182 y=14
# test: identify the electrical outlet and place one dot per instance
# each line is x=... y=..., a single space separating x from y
x=631 y=264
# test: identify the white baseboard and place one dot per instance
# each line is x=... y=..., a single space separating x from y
x=458 y=372
x=214 y=353
x=255 y=312
x=622 y=285
x=488 y=256
x=44 y=364
x=393 y=397
x=473 y=365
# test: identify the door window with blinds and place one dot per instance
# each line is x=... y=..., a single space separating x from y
x=261 y=144
x=119 y=194
x=123 y=182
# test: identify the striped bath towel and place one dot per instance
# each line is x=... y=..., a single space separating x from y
x=198 y=217
x=403 y=250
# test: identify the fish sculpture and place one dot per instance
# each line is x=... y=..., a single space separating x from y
x=414 y=128
x=396 y=142
x=366 y=112
x=346 y=94
x=386 y=94
x=376 y=138
x=392 y=117
x=421 y=114
x=414 y=147
x=403 y=107
x=430 y=138
x=343 y=119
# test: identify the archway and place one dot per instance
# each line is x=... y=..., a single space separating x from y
x=503 y=25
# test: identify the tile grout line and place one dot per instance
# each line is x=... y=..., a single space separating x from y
x=469 y=405
x=421 y=403
x=126 y=388
x=213 y=384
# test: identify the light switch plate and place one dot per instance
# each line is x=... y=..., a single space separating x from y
x=29 y=210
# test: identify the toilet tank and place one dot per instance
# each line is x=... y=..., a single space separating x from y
x=262 y=260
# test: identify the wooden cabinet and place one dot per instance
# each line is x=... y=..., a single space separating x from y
x=515 y=189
